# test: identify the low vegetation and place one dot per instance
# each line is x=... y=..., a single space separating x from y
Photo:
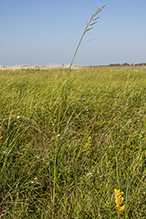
x=76 y=150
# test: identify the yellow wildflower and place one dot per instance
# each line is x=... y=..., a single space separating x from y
x=119 y=200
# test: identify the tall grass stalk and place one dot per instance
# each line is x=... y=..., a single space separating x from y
x=126 y=194
x=57 y=151
x=89 y=26
x=117 y=166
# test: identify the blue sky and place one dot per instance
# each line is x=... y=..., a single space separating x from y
x=43 y=32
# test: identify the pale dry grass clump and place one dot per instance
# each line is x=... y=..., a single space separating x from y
x=21 y=67
x=35 y=67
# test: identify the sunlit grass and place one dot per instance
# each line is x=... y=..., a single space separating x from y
x=99 y=129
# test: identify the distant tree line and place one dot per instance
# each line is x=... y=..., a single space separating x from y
x=127 y=64
x=139 y=64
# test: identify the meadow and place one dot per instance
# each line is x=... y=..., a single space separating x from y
x=66 y=143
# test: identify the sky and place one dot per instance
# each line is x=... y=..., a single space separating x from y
x=46 y=32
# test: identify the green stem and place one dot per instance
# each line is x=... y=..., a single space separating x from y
x=126 y=198
x=76 y=52
x=117 y=166
x=55 y=172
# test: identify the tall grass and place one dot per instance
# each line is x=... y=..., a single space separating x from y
x=102 y=123
x=89 y=26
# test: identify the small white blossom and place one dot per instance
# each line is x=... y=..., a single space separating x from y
x=89 y=174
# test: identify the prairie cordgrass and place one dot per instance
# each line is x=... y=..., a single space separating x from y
x=94 y=138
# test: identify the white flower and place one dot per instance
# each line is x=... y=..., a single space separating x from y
x=89 y=174
x=32 y=182
x=18 y=117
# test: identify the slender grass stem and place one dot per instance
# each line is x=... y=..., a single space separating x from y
x=87 y=28
x=126 y=195
x=75 y=53
x=117 y=166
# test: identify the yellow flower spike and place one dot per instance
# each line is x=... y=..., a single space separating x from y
x=122 y=208
x=119 y=200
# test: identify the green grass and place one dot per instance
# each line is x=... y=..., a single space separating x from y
x=62 y=155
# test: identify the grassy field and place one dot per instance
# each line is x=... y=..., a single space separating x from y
x=65 y=146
